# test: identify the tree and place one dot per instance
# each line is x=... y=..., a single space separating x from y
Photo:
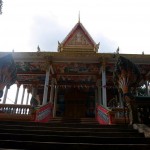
x=1 y=4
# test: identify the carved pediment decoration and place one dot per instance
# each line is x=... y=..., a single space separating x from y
x=78 y=39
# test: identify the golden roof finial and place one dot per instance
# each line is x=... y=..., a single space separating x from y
x=79 y=17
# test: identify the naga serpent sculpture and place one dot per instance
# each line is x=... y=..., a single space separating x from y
x=127 y=76
x=8 y=74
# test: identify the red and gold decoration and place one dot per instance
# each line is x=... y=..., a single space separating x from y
x=126 y=76
x=7 y=72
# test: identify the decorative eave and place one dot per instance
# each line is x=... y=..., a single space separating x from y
x=78 y=40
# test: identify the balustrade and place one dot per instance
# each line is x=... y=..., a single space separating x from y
x=15 y=109
x=16 y=112
x=120 y=115
x=143 y=108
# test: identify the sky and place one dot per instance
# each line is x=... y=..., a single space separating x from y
x=11 y=95
x=25 y=24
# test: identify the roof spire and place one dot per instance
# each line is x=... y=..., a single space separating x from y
x=79 y=17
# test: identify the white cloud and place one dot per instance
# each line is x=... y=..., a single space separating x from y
x=46 y=32
x=25 y=24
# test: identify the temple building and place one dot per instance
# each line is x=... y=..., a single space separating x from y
x=77 y=80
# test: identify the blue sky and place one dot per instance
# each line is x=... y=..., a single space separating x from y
x=25 y=24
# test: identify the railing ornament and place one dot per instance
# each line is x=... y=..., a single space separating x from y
x=126 y=76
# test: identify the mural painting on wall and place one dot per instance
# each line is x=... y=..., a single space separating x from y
x=76 y=79
x=77 y=68
x=29 y=78
x=28 y=66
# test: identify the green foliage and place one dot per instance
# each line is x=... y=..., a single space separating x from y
x=141 y=91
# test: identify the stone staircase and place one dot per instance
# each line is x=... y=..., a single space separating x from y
x=70 y=134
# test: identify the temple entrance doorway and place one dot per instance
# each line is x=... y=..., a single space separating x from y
x=75 y=104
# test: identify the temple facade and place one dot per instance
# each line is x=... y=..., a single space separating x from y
x=77 y=78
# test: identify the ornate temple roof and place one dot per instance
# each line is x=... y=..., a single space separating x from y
x=78 y=40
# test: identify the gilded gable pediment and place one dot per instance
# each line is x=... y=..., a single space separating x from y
x=78 y=40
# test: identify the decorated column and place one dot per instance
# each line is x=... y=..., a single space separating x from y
x=5 y=95
x=52 y=90
x=104 y=97
x=99 y=92
x=17 y=93
x=55 y=101
x=24 y=87
x=46 y=85
x=27 y=101
x=147 y=88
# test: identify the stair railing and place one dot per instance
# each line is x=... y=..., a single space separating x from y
x=121 y=115
x=143 y=109
x=43 y=113
x=16 y=112
x=104 y=115
x=116 y=115
x=15 y=109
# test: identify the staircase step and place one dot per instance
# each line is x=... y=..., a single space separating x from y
x=15 y=128
x=101 y=134
x=74 y=134
x=54 y=124
x=67 y=146
x=72 y=139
